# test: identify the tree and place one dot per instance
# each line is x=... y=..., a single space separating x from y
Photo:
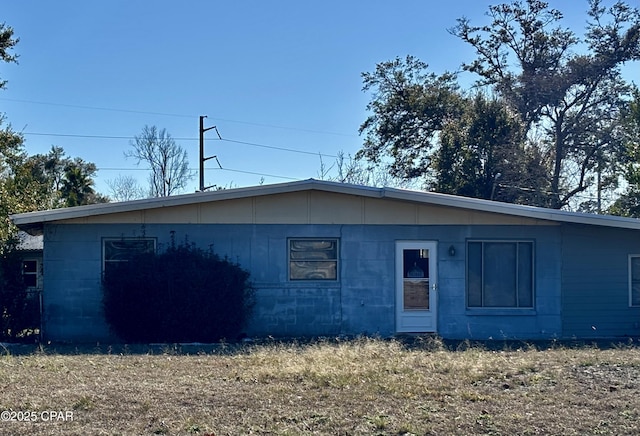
x=10 y=143
x=568 y=104
x=628 y=204
x=572 y=100
x=483 y=154
x=18 y=191
x=63 y=181
x=14 y=303
x=167 y=160
x=348 y=169
x=409 y=107
x=7 y=43
x=77 y=185
x=455 y=143
x=125 y=188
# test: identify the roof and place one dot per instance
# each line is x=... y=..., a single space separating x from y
x=33 y=222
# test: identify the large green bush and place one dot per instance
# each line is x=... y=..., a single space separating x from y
x=183 y=294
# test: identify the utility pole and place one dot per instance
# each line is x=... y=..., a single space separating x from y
x=202 y=157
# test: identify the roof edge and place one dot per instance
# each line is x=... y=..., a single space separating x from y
x=32 y=222
x=525 y=211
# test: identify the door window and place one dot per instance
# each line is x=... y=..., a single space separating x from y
x=415 y=279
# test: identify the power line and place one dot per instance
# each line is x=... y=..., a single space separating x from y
x=76 y=106
x=279 y=148
x=70 y=135
x=208 y=169
x=232 y=170
x=253 y=173
x=253 y=144
x=131 y=111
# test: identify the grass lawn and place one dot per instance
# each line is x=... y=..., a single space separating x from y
x=356 y=387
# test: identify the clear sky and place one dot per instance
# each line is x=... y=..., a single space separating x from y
x=273 y=76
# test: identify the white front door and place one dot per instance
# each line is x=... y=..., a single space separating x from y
x=416 y=285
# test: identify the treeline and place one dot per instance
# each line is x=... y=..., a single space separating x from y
x=550 y=120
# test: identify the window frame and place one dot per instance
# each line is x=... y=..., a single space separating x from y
x=630 y=273
x=290 y=260
x=510 y=309
x=109 y=239
x=35 y=273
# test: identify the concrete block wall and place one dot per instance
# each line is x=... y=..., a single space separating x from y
x=362 y=301
x=595 y=282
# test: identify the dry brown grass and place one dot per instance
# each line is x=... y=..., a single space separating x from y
x=358 y=387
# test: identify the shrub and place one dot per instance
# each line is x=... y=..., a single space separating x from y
x=183 y=294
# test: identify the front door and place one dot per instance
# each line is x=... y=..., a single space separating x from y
x=416 y=285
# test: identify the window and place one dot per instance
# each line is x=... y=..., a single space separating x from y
x=313 y=259
x=122 y=249
x=30 y=273
x=634 y=280
x=500 y=274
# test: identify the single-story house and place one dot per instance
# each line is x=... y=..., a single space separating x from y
x=328 y=259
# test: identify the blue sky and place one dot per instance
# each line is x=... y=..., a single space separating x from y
x=271 y=75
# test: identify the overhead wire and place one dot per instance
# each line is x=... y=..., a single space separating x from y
x=253 y=144
x=227 y=120
x=207 y=169
x=118 y=137
x=77 y=106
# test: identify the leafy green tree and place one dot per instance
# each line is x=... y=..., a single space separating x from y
x=76 y=187
x=77 y=184
x=64 y=181
x=482 y=154
x=7 y=43
x=566 y=93
x=18 y=191
x=567 y=90
x=409 y=108
x=423 y=126
x=17 y=311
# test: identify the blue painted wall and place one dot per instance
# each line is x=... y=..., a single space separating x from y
x=595 y=282
x=361 y=301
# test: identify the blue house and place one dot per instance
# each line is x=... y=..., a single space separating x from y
x=329 y=258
